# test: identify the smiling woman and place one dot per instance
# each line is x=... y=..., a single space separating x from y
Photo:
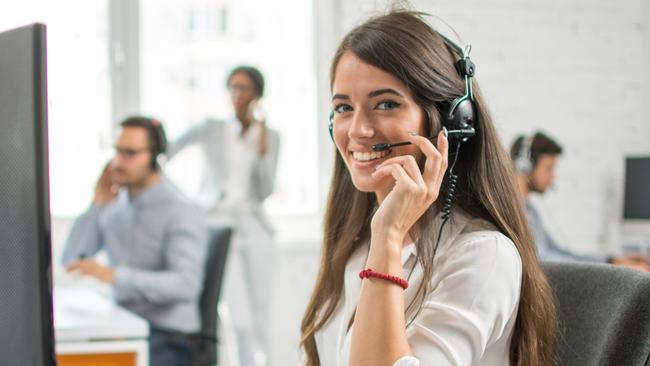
x=426 y=295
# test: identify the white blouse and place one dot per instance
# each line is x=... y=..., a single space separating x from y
x=469 y=317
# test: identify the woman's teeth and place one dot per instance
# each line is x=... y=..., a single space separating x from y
x=367 y=156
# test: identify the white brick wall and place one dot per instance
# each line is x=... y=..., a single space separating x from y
x=574 y=69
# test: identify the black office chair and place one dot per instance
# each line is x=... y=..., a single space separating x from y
x=604 y=314
x=206 y=345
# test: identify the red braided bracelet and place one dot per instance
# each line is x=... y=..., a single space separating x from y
x=367 y=273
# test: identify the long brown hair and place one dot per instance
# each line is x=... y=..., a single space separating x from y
x=404 y=45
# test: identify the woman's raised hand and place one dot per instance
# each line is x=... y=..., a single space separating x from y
x=413 y=191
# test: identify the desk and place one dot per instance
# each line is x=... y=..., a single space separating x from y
x=92 y=330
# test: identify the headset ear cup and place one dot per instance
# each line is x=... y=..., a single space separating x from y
x=161 y=143
x=154 y=161
x=523 y=165
x=330 y=125
x=460 y=118
x=523 y=161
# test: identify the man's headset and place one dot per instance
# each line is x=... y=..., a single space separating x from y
x=459 y=115
x=523 y=160
x=159 y=143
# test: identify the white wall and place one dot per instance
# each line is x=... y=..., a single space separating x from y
x=574 y=69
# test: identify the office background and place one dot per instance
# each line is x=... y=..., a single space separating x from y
x=575 y=69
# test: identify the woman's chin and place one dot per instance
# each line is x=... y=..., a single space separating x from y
x=366 y=183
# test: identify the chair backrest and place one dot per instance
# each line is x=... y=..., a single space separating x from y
x=218 y=247
x=604 y=314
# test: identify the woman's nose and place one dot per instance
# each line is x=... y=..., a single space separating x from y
x=360 y=127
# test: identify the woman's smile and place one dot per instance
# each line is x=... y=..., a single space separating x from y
x=364 y=159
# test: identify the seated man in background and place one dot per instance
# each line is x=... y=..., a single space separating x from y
x=155 y=240
x=534 y=158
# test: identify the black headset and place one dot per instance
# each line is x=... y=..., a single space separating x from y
x=459 y=116
x=160 y=142
x=460 y=119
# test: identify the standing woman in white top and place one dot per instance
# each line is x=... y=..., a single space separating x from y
x=391 y=290
x=241 y=155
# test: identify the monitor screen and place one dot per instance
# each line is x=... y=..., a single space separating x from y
x=26 y=330
x=637 y=188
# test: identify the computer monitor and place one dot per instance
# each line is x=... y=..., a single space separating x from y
x=637 y=188
x=26 y=329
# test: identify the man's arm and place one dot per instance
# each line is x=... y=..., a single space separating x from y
x=551 y=251
x=547 y=247
x=85 y=238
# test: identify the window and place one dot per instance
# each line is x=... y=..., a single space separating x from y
x=78 y=91
x=187 y=50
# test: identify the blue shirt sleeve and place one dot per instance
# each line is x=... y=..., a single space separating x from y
x=85 y=238
x=547 y=248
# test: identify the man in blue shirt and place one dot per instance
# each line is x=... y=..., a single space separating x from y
x=155 y=240
x=534 y=158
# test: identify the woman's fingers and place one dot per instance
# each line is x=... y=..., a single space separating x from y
x=397 y=171
x=436 y=160
x=443 y=148
x=410 y=166
x=405 y=169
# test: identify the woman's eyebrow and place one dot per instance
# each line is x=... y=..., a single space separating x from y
x=384 y=91
x=372 y=94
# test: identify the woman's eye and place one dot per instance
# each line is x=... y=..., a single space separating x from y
x=387 y=105
x=341 y=108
